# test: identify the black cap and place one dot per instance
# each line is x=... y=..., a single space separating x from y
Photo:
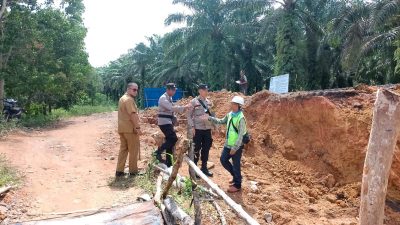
x=171 y=86
x=203 y=86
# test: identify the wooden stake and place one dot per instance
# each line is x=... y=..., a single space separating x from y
x=195 y=194
x=381 y=145
x=238 y=208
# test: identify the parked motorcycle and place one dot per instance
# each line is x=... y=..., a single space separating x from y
x=11 y=110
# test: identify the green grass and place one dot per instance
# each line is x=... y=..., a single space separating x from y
x=8 y=175
x=6 y=127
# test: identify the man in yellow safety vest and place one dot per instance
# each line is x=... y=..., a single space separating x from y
x=233 y=148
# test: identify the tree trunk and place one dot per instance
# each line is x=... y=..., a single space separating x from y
x=177 y=212
x=381 y=146
x=1 y=94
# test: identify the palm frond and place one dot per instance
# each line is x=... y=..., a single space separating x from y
x=175 y=18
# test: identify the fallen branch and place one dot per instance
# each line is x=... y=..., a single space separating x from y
x=182 y=183
x=382 y=143
x=238 y=208
x=220 y=213
x=175 y=169
x=177 y=212
x=6 y=189
x=157 y=196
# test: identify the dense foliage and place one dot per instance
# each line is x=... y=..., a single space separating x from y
x=320 y=43
x=42 y=55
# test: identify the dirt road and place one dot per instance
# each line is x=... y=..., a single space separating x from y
x=66 y=168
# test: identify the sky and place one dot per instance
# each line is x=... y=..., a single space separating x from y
x=118 y=25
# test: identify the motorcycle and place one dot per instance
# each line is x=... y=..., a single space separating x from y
x=11 y=110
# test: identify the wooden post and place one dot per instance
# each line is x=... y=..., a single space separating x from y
x=238 y=208
x=381 y=145
x=195 y=193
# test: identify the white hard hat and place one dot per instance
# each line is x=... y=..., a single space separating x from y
x=239 y=100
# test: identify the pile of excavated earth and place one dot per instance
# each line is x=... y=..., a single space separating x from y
x=304 y=164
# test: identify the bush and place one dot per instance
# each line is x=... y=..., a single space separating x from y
x=6 y=127
x=40 y=120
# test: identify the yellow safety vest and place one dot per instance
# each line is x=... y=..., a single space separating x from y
x=231 y=134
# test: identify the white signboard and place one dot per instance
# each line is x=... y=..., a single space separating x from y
x=279 y=84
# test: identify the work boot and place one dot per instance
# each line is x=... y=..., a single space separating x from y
x=206 y=172
x=119 y=174
x=233 y=189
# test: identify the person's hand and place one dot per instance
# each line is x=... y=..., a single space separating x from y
x=188 y=106
x=205 y=117
x=232 y=152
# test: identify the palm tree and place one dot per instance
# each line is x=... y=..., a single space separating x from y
x=369 y=32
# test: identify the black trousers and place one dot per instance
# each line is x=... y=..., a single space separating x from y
x=170 y=141
x=202 y=143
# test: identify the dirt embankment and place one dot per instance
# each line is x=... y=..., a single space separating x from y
x=307 y=155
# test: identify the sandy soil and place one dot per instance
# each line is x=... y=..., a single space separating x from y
x=66 y=168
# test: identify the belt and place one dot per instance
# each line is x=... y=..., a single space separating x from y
x=165 y=116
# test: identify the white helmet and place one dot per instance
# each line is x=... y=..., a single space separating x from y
x=239 y=100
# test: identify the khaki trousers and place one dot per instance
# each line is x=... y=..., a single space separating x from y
x=130 y=143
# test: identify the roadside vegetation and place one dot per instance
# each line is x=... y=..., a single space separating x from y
x=8 y=175
x=37 y=120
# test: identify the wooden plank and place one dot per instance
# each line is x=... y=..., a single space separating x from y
x=381 y=146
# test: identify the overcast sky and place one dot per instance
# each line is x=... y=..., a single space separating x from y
x=116 y=26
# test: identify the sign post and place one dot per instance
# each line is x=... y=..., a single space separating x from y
x=279 y=84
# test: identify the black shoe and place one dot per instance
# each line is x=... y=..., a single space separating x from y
x=207 y=173
x=119 y=174
x=158 y=156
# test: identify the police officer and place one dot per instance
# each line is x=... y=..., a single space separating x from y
x=129 y=131
x=201 y=129
x=166 y=121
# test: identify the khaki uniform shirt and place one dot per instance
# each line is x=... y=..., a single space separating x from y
x=127 y=106
x=194 y=115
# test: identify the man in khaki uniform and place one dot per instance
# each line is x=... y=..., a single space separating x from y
x=129 y=131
